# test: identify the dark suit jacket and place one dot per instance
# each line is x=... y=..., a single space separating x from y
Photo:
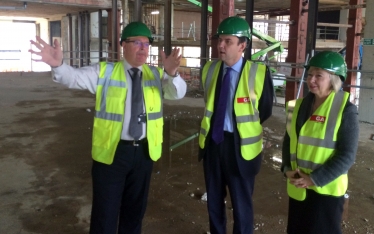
x=265 y=105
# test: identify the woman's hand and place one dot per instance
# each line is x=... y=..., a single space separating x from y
x=299 y=179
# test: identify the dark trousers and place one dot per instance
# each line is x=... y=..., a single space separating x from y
x=221 y=170
x=120 y=191
x=316 y=214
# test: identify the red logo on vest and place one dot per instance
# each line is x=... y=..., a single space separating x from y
x=318 y=118
x=242 y=99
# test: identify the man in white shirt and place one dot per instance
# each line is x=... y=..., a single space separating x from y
x=128 y=124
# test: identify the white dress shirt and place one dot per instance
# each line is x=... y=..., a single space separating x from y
x=87 y=77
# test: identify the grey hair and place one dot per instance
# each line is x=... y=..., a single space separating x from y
x=336 y=82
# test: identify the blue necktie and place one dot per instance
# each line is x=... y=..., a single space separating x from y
x=220 y=111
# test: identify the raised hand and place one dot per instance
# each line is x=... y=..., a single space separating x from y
x=51 y=55
x=171 y=62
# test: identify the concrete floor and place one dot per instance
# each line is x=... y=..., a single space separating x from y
x=45 y=163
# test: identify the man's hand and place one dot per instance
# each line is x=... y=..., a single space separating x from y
x=48 y=54
x=171 y=62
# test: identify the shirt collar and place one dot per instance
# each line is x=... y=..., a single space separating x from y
x=236 y=67
x=128 y=66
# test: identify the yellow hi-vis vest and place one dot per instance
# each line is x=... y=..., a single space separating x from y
x=110 y=109
x=316 y=142
x=249 y=91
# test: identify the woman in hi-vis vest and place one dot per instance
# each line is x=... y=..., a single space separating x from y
x=319 y=148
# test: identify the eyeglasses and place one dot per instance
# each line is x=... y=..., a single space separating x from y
x=138 y=43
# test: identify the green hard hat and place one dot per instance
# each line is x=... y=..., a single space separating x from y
x=136 y=29
x=235 y=26
x=330 y=61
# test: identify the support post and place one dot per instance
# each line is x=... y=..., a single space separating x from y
x=221 y=10
x=249 y=7
x=70 y=39
x=296 y=43
x=352 y=56
x=203 y=35
x=167 y=23
x=100 y=35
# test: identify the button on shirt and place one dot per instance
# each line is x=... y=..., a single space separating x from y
x=234 y=78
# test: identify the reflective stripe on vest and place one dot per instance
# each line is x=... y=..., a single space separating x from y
x=110 y=105
x=317 y=140
x=250 y=86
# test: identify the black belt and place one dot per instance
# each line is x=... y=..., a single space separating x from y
x=133 y=142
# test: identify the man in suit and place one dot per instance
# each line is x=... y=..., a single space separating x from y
x=239 y=98
x=128 y=124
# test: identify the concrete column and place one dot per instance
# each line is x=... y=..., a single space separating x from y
x=80 y=38
x=65 y=38
x=125 y=14
x=343 y=20
x=366 y=110
x=271 y=32
x=75 y=39
x=137 y=13
x=94 y=37
x=161 y=32
x=161 y=18
x=203 y=37
x=172 y=19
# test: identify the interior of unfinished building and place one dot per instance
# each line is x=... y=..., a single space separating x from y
x=45 y=149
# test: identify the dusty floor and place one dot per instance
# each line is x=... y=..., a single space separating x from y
x=45 y=162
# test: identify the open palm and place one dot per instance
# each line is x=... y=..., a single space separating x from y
x=51 y=55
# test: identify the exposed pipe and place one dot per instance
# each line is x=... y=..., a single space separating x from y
x=14 y=8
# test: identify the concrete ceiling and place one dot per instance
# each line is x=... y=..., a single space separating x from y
x=39 y=9
x=47 y=10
